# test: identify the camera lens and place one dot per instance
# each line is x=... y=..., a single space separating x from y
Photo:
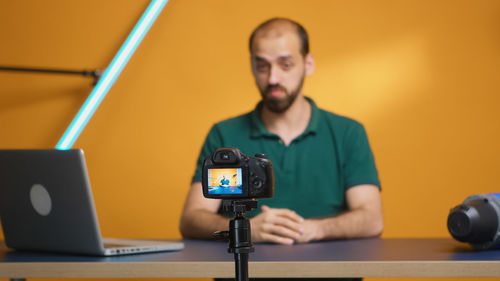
x=475 y=221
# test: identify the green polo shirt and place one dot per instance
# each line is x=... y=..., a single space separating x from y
x=314 y=171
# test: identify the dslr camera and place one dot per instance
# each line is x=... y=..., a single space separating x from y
x=230 y=174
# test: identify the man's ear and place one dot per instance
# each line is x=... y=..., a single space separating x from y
x=309 y=64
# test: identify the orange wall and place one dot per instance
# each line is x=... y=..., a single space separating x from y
x=422 y=76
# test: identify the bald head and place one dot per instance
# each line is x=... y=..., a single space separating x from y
x=277 y=27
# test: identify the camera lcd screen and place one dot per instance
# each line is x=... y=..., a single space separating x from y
x=225 y=181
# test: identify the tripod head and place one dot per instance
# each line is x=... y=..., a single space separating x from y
x=239 y=235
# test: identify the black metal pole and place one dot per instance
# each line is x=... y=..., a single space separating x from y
x=96 y=74
x=241 y=266
x=92 y=73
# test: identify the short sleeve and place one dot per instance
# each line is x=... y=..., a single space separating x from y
x=359 y=163
x=212 y=142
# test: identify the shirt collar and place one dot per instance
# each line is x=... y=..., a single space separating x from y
x=259 y=130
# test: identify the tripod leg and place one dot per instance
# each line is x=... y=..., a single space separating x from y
x=241 y=263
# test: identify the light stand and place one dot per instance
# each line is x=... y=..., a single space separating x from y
x=96 y=74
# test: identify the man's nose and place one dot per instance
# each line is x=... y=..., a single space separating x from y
x=274 y=76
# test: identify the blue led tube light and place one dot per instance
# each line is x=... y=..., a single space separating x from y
x=110 y=74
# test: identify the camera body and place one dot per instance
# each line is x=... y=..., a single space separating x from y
x=230 y=174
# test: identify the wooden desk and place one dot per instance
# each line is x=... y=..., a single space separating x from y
x=349 y=258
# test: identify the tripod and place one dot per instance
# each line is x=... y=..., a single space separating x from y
x=239 y=235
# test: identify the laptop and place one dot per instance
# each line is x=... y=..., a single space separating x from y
x=46 y=204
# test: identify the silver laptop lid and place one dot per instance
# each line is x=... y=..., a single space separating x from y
x=46 y=202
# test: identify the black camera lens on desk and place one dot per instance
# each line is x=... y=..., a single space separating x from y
x=476 y=221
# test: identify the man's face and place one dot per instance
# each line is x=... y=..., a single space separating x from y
x=279 y=69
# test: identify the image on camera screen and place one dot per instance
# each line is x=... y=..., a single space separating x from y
x=225 y=181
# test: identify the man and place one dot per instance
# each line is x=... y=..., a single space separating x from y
x=224 y=182
x=326 y=183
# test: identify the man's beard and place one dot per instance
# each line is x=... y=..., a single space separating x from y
x=280 y=105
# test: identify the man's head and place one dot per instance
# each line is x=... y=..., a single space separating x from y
x=280 y=60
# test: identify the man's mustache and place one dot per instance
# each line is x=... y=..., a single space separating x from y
x=275 y=87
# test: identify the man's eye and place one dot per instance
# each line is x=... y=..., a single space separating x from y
x=286 y=65
x=262 y=67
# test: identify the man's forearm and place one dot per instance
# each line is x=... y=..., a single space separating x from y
x=352 y=224
x=202 y=223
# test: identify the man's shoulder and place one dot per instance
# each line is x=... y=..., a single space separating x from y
x=237 y=123
x=340 y=121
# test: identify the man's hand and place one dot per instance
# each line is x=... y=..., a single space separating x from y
x=363 y=219
x=311 y=231
x=281 y=226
